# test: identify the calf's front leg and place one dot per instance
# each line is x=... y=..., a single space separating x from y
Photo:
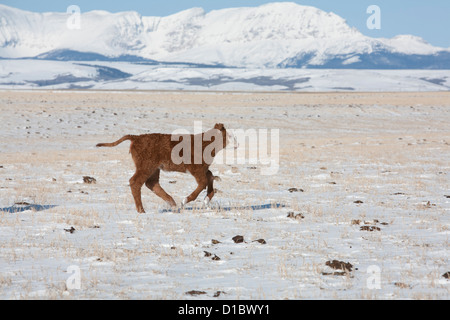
x=202 y=182
x=210 y=190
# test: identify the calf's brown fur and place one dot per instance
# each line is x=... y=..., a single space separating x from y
x=152 y=153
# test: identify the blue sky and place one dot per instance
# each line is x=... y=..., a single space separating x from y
x=427 y=19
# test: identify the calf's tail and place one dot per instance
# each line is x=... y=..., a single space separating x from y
x=128 y=137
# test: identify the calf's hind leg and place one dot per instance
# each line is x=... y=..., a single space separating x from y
x=153 y=184
x=136 y=183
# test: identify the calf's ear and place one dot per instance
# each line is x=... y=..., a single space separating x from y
x=219 y=126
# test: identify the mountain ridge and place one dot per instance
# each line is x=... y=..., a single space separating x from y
x=274 y=35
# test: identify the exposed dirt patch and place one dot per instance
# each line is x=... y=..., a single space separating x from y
x=402 y=285
x=340 y=265
x=369 y=225
x=261 y=241
x=207 y=254
x=296 y=216
x=218 y=293
x=195 y=293
x=292 y=190
x=70 y=230
x=369 y=228
x=335 y=273
x=89 y=180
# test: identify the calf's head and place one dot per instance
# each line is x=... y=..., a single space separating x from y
x=228 y=138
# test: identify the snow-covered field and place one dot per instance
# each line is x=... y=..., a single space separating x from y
x=365 y=177
x=100 y=75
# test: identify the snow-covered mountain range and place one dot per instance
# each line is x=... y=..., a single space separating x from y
x=276 y=35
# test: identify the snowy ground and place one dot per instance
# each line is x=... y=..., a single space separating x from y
x=371 y=173
x=38 y=74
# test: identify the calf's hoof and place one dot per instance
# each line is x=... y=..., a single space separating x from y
x=206 y=201
x=172 y=204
